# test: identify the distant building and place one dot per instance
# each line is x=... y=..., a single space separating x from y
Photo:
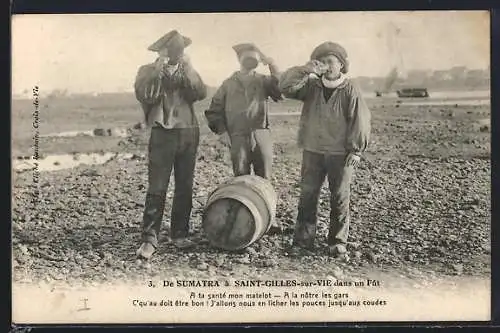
x=457 y=77
x=487 y=73
x=58 y=93
x=476 y=74
x=458 y=73
x=441 y=75
x=418 y=76
x=477 y=77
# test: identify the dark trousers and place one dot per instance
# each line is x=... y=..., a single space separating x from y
x=314 y=169
x=170 y=148
x=254 y=149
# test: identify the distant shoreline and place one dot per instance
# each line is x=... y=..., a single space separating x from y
x=452 y=91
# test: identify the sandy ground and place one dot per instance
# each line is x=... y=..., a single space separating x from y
x=420 y=202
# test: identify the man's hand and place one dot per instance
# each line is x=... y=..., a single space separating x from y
x=317 y=67
x=160 y=65
x=160 y=62
x=352 y=160
x=186 y=61
x=225 y=139
x=187 y=68
x=265 y=59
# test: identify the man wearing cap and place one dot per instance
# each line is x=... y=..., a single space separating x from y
x=239 y=108
x=167 y=90
x=334 y=131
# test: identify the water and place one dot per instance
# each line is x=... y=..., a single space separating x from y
x=448 y=102
x=69 y=134
x=479 y=94
x=412 y=102
x=66 y=161
x=460 y=98
x=117 y=132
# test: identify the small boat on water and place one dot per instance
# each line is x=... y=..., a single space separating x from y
x=412 y=92
x=406 y=93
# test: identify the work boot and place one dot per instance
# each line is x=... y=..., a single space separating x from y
x=145 y=251
x=298 y=249
x=151 y=220
x=337 y=250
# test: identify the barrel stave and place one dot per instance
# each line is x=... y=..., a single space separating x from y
x=239 y=212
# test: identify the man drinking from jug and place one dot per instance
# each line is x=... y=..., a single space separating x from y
x=239 y=108
x=334 y=131
x=167 y=90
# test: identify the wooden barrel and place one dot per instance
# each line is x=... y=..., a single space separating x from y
x=239 y=212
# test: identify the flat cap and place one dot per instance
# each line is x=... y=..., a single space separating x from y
x=170 y=39
x=331 y=48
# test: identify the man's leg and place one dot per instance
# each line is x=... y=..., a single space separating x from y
x=262 y=154
x=184 y=167
x=240 y=154
x=161 y=152
x=339 y=180
x=313 y=174
x=262 y=160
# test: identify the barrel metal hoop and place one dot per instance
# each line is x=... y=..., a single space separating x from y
x=271 y=202
x=239 y=189
x=228 y=194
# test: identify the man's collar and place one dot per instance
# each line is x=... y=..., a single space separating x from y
x=332 y=84
x=319 y=83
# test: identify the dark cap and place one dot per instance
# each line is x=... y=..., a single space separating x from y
x=173 y=38
x=330 y=48
x=245 y=47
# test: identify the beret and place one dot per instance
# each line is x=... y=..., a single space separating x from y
x=330 y=48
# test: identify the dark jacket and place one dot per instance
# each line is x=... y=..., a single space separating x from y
x=167 y=100
x=240 y=109
x=339 y=125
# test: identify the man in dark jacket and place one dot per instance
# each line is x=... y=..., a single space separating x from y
x=239 y=108
x=167 y=90
x=334 y=132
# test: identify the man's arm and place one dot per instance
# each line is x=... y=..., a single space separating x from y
x=294 y=83
x=273 y=67
x=148 y=88
x=215 y=114
x=195 y=89
x=147 y=85
x=358 y=125
x=271 y=83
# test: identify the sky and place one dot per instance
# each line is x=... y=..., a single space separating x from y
x=102 y=52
